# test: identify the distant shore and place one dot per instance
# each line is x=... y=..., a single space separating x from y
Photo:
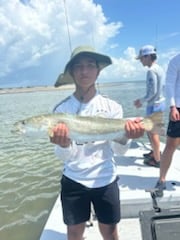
x=35 y=89
x=52 y=88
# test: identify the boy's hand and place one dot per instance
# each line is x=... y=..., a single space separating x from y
x=137 y=103
x=60 y=135
x=134 y=128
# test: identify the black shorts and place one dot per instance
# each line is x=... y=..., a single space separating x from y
x=76 y=202
x=173 y=129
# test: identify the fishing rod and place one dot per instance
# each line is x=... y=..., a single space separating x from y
x=67 y=25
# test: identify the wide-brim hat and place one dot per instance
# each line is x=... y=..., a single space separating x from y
x=63 y=79
x=146 y=50
x=102 y=60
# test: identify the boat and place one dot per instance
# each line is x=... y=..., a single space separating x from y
x=136 y=179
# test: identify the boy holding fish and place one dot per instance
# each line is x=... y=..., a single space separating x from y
x=89 y=174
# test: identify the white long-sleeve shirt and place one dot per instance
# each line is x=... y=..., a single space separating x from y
x=155 y=85
x=91 y=164
x=173 y=82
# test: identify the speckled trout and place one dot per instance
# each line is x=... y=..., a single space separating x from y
x=83 y=128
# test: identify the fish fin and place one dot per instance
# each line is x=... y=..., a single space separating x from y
x=155 y=123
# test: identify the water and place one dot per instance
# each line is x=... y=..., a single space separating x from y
x=29 y=170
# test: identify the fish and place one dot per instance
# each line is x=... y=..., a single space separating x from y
x=84 y=128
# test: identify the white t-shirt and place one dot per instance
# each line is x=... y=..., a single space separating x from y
x=91 y=164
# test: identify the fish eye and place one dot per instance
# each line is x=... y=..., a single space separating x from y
x=23 y=122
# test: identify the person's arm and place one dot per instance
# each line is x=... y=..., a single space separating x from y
x=171 y=76
x=151 y=87
x=120 y=146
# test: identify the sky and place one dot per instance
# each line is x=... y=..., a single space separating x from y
x=38 y=36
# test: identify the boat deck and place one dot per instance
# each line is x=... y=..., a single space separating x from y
x=135 y=178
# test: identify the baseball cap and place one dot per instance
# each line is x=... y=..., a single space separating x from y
x=146 y=50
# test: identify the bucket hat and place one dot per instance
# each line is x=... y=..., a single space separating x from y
x=102 y=60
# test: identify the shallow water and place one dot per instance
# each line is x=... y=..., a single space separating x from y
x=29 y=170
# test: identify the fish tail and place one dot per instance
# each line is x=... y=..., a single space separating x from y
x=154 y=123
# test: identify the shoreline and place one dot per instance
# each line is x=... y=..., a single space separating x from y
x=35 y=89
x=51 y=88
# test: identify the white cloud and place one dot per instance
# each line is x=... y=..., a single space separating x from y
x=124 y=68
x=34 y=41
x=32 y=30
